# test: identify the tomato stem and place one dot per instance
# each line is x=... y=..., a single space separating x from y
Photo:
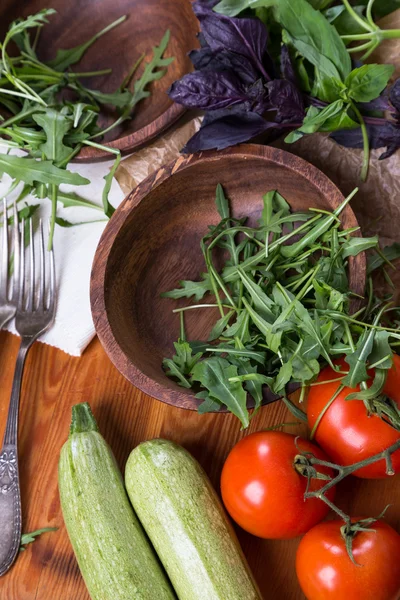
x=305 y=464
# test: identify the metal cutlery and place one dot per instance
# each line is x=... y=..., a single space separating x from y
x=8 y=301
x=34 y=315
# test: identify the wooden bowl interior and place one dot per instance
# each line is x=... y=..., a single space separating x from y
x=158 y=244
x=76 y=22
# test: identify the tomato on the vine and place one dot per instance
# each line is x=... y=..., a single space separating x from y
x=325 y=571
x=262 y=490
x=346 y=432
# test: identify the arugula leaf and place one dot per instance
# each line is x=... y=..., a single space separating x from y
x=367 y=82
x=214 y=373
x=358 y=359
x=28 y=538
x=66 y=58
x=197 y=289
x=355 y=245
x=210 y=404
x=220 y=325
x=222 y=202
x=30 y=170
x=108 y=209
x=72 y=199
x=389 y=253
x=55 y=125
x=381 y=349
x=150 y=73
x=283 y=377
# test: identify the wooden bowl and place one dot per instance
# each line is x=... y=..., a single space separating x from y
x=152 y=241
x=77 y=21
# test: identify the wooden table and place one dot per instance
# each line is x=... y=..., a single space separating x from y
x=53 y=382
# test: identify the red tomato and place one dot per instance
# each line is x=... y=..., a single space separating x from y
x=325 y=571
x=262 y=490
x=346 y=432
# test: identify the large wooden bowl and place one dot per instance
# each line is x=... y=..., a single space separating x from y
x=77 y=21
x=152 y=241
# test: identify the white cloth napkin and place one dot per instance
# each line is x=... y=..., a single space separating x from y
x=74 y=249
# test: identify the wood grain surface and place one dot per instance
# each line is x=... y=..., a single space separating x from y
x=53 y=382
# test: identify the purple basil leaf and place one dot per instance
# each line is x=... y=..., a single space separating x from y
x=385 y=135
x=258 y=98
x=202 y=58
x=228 y=128
x=287 y=69
x=394 y=95
x=205 y=58
x=208 y=90
x=286 y=99
x=247 y=37
x=380 y=103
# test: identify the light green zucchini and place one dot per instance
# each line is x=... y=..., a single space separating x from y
x=114 y=555
x=185 y=521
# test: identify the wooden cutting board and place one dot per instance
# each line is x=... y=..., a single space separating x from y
x=53 y=382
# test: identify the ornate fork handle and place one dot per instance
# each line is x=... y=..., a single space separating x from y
x=10 y=498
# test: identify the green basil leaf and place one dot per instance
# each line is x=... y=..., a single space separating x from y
x=315 y=119
x=214 y=373
x=367 y=82
x=314 y=37
x=343 y=21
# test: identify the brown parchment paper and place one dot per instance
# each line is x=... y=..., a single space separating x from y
x=377 y=205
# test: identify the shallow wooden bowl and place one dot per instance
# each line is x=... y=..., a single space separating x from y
x=152 y=241
x=77 y=21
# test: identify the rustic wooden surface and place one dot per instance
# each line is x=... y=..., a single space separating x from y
x=53 y=382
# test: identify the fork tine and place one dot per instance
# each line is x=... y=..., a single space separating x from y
x=52 y=290
x=21 y=303
x=42 y=271
x=31 y=290
x=17 y=252
x=4 y=255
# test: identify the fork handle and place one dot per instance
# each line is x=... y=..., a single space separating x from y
x=10 y=497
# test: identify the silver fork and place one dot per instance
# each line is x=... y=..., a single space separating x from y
x=35 y=314
x=8 y=302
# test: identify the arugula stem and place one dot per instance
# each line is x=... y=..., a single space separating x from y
x=195 y=306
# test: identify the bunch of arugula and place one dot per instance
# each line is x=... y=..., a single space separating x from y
x=51 y=127
x=285 y=311
x=286 y=65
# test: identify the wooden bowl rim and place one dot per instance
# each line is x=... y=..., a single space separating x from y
x=99 y=268
x=133 y=141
